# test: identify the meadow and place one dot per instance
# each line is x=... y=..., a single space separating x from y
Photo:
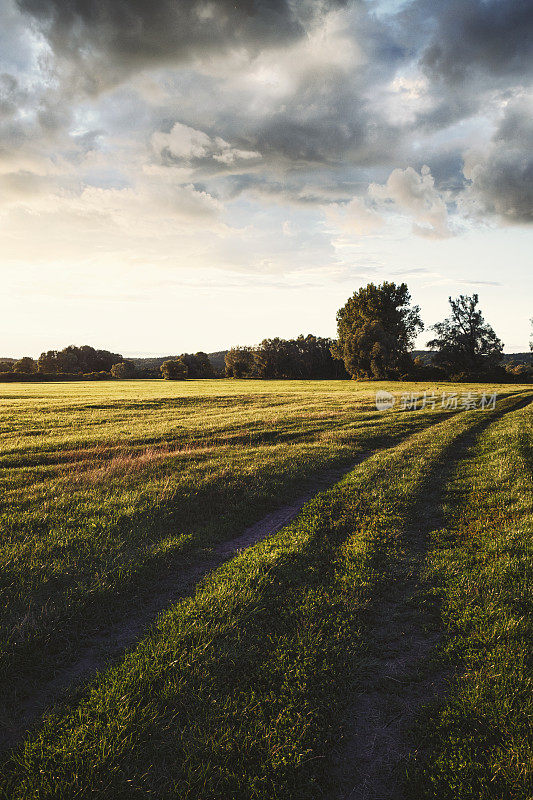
x=394 y=609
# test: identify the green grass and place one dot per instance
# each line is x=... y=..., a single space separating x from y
x=478 y=743
x=106 y=488
x=238 y=691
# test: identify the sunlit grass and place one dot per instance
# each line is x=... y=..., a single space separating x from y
x=478 y=743
x=107 y=487
x=233 y=692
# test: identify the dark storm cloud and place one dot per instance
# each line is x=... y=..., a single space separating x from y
x=332 y=128
x=323 y=123
x=476 y=56
x=494 y=38
x=125 y=35
x=465 y=50
x=326 y=122
x=502 y=182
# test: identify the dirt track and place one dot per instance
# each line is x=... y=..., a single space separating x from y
x=403 y=635
x=111 y=642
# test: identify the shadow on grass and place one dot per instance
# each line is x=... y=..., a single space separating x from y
x=403 y=628
x=236 y=749
x=81 y=624
x=282 y=432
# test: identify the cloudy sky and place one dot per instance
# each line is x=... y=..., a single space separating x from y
x=191 y=174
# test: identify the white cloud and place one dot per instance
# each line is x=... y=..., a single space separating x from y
x=187 y=144
x=415 y=194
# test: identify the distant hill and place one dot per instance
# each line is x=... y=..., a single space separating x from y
x=518 y=358
x=150 y=363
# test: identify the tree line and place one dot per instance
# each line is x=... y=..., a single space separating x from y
x=88 y=363
x=71 y=360
x=305 y=357
x=376 y=330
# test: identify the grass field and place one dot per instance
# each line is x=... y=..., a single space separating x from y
x=393 y=609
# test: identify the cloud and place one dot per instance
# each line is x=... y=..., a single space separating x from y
x=117 y=116
x=487 y=37
x=501 y=178
x=468 y=55
x=416 y=195
x=354 y=217
x=108 y=39
x=480 y=283
x=186 y=144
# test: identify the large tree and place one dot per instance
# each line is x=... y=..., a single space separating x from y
x=465 y=343
x=239 y=362
x=375 y=331
x=198 y=365
x=174 y=370
x=25 y=365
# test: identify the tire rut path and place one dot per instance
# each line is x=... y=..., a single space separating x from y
x=403 y=634
x=106 y=647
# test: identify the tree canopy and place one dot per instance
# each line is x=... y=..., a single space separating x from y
x=74 y=359
x=376 y=329
x=304 y=357
x=174 y=370
x=465 y=343
x=124 y=369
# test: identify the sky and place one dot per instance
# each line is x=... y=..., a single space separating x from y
x=183 y=175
